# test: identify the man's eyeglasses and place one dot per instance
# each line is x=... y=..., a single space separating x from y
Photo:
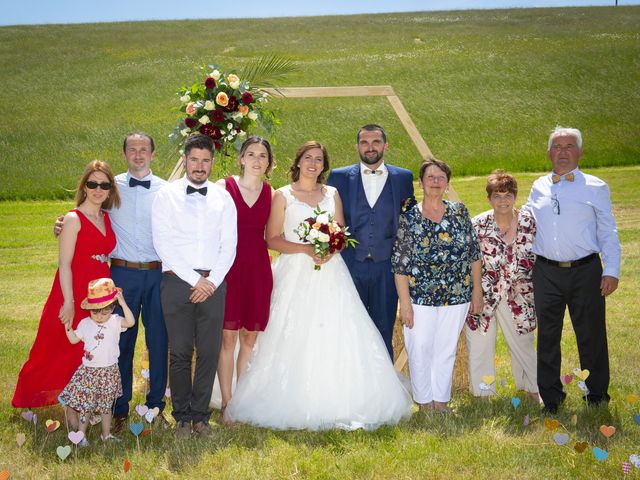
x=91 y=185
x=555 y=204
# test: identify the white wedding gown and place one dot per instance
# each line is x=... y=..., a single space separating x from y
x=321 y=363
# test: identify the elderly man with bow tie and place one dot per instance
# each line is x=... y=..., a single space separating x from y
x=576 y=235
x=194 y=232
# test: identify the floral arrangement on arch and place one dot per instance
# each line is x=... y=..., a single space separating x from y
x=222 y=106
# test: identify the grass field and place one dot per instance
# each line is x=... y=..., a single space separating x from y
x=483 y=87
x=483 y=439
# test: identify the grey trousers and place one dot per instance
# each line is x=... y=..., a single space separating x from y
x=191 y=325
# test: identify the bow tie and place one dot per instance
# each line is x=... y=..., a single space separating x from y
x=134 y=182
x=201 y=191
x=569 y=177
x=368 y=171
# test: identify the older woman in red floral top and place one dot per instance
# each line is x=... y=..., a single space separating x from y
x=505 y=236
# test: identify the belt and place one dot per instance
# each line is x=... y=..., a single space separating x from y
x=575 y=263
x=136 y=265
x=204 y=273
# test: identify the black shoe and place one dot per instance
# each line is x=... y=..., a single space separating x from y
x=550 y=409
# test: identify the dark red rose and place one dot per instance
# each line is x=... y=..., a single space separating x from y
x=310 y=220
x=210 y=83
x=211 y=131
x=217 y=145
x=324 y=228
x=217 y=116
x=247 y=98
x=190 y=122
x=232 y=106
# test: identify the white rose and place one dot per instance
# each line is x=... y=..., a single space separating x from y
x=204 y=120
x=323 y=237
x=185 y=98
x=209 y=105
x=215 y=75
x=184 y=132
x=242 y=134
x=313 y=234
x=322 y=218
x=252 y=115
x=237 y=116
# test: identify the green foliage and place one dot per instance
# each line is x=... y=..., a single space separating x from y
x=483 y=87
x=483 y=439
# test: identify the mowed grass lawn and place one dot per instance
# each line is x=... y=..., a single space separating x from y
x=483 y=439
x=483 y=87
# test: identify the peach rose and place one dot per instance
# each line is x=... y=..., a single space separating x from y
x=222 y=99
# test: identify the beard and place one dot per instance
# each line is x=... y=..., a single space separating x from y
x=195 y=181
x=371 y=160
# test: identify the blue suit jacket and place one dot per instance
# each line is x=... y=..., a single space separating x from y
x=346 y=179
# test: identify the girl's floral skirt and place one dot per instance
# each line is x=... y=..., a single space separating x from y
x=92 y=390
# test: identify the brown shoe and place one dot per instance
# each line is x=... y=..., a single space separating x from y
x=203 y=430
x=119 y=422
x=183 y=430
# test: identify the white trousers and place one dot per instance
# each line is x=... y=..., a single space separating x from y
x=482 y=352
x=431 y=345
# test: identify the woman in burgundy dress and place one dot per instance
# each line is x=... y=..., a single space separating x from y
x=83 y=252
x=249 y=281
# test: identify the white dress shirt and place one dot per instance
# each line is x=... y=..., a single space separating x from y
x=580 y=224
x=195 y=231
x=373 y=184
x=132 y=221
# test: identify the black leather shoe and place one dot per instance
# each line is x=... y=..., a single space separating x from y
x=551 y=409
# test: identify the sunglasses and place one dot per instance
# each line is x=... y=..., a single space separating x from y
x=91 y=185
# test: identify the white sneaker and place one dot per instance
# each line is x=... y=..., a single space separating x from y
x=110 y=439
x=83 y=443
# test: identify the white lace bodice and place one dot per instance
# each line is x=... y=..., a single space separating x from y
x=297 y=210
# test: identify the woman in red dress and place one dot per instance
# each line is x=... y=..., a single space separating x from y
x=83 y=252
x=244 y=315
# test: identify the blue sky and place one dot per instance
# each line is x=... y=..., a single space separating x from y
x=82 y=11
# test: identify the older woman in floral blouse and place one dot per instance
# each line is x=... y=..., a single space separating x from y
x=505 y=236
x=437 y=267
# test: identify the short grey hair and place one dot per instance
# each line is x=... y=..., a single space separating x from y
x=565 y=132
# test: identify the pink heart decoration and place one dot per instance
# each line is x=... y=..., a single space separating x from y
x=566 y=379
x=626 y=468
x=28 y=415
x=142 y=410
x=76 y=437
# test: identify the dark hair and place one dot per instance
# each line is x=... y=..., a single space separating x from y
x=113 y=200
x=501 y=181
x=434 y=162
x=265 y=143
x=202 y=142
x=138 y=134
x=372 y=127
x=294 y=171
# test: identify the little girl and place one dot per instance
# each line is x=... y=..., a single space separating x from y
x=96 y=383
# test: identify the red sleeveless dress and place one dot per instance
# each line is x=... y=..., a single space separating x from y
x=52 y=359
x=249 y=281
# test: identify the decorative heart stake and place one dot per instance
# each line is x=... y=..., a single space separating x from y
x=484 y=387
x=626 y=468
x=635 y=460
x=75 y=437
x=583 y=386
x=28 y=415
x=561 y=438
x=581 y=374
x=526 y=420
x=151 y=414
x=136 y=428
x=145 y=373
x=636 y=418
x=20 y=439
x=566 y=379
x=34 y=419
x=515 y=401
x=5 y=474
x=600 y=454
x=580 y=447
x=551 y=424
x=142 y=410
x=52 y=425
x=61 y=401
x=607 y=430
x=632 y=398
x=488 y=379
x=574 y=419
x=127 y=465
x=145 y=432
x=63 y=452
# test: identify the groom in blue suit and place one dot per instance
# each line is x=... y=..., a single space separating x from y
x=372 y=193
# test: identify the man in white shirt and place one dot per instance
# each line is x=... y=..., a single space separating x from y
x=194 y=233
x=575 y=228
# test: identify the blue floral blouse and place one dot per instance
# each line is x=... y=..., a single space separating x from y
x=437 y=257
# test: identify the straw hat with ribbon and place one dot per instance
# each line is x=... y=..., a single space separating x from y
x=102 y=292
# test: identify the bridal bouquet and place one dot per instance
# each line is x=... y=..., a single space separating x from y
x=325 y=234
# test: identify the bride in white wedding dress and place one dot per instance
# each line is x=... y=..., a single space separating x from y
x=320 y=363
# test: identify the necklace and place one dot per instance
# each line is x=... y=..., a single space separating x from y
x=511 y=227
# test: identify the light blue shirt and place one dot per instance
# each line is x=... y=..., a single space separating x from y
x=581 y=223
x=132 y=221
